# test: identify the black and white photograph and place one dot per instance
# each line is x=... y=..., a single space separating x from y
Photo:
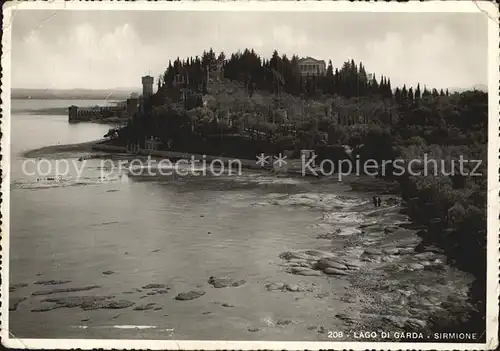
x=250 y=175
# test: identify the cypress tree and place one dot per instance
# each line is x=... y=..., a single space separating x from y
x=410 y=94
x=329 y=79
x=404 y=93
x=397 y=95
x=336 y=81
x=417 y=92
x=382 y=86
x=374 y=87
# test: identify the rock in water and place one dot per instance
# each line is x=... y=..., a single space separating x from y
x=51 y=282
x=145 y=307
x=14 y=302
x=322 y=295
x=67 y=290
x=392 y=251
x=319 y=254
x=353 y=265
x=372 y=252
x=416 y=266
x=113 y=305
x=219 y=282
x=87 y=302
x=289 y=255
x=334 y=271
x=224 y=282
x=154 y=286
x=190 y=295
x=330 y=263
x=275 y=286
x=367 y=224
x=283 y=322
x=305 y=271
x=390 y=229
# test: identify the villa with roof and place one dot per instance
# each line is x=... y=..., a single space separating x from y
x=311 y=66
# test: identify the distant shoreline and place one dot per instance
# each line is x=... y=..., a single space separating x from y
x=67 y=98
x=72 y=94
x=44 y=111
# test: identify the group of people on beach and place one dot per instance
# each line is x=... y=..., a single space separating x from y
x=377 y=202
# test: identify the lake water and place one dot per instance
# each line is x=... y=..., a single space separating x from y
x=165 y=231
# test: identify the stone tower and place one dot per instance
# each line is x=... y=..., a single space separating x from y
x=147 y=86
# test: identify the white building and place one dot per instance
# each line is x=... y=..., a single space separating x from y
x=311 y=66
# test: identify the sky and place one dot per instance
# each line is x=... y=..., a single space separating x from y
x=66 y=49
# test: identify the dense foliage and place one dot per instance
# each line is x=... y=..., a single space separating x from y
x=278 y=74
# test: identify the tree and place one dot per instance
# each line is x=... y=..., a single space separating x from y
x=417 y=92
x=404 y=93
x=374 y=87
x=397 y=96
x=329 y=70
x=389 y=89
x=410 y=94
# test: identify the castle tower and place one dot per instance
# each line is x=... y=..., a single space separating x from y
x=72 y=113
x=147 y=86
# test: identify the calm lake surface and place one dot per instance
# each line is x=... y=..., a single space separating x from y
x=164 y=231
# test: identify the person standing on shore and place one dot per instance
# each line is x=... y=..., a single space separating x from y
x=374 y=201
x=379 y=202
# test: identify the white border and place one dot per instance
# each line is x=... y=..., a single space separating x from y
x=493 y=166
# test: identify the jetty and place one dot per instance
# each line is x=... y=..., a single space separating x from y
x=123 y=110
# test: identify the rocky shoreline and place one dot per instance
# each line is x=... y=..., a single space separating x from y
x=395 y=284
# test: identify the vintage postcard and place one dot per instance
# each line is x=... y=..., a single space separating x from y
x=250 y=175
